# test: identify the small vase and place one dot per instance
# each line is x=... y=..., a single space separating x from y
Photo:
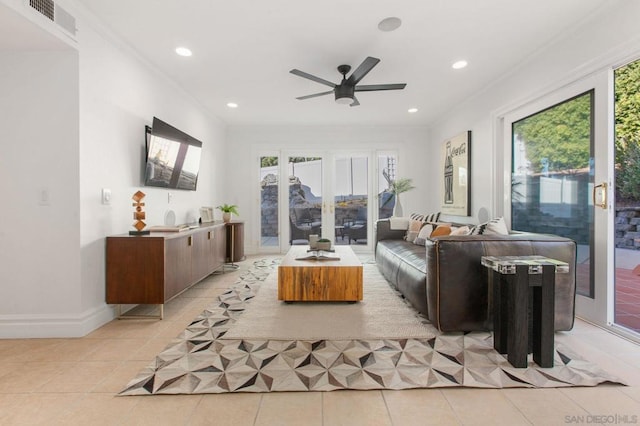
x=397 y=208
x=226 y=217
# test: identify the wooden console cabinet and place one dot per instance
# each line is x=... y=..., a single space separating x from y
x=235 y=241
x=151 y=269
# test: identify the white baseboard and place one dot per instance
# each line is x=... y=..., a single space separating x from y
x=54 y=326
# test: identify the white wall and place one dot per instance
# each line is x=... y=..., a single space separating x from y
x=75 y=124
x=609 y=38
x=40 y=214
x=119 y=95
x=247 y=143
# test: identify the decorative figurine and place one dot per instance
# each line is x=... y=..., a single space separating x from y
x=139 y=215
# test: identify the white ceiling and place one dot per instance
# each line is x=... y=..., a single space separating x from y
x=243 y=51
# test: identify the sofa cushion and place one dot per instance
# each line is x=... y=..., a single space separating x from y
x=403 y=264
x=407 y=252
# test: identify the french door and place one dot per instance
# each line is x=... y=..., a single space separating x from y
x=557 y=170
x=329 y=195
x=336 y=195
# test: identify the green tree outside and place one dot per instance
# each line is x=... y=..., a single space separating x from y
x=627 y=116
x=559 y=136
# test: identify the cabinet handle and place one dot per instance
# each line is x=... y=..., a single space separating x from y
x=209 y=235
x=190 y=241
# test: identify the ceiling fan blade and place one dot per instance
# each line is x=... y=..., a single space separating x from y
x=372 y=87
x=314 y=95
x=363 y=69
x=355 y=102
x=312 y=77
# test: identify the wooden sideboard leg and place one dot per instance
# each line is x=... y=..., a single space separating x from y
x=122 y=316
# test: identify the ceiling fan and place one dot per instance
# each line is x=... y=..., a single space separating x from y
x=345 y=91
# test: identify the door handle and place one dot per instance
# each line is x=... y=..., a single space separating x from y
x=600 y=190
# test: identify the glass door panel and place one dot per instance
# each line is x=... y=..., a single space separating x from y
x=351 y=200
x=552 y=178
x=627 y=197
x=387 y=164
x=305 y=198
x=269 y=187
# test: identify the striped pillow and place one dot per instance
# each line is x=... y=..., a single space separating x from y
x=416 y=216
x=427 y=218
x=431 y=218
x=496 y=226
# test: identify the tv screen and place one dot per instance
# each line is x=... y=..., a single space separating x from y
x=173 y=157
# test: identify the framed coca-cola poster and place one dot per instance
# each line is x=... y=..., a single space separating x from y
x=456 y=175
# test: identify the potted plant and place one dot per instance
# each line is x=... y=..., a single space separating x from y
x=227 y=210
x=397 y=187
x=323 y=244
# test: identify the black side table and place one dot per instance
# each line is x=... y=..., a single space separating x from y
x=514 y=280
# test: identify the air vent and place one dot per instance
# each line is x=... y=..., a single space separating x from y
x=45 y=7
x=55 y=13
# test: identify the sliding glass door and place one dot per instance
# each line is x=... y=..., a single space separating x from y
x=552 y=178
x=626 y=217
x=557 y=160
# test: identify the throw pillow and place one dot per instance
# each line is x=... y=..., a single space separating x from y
x=416 y=216
x=413 y=230
x=399 y=223
x=497 y=226
x=424 y=233
x=441 y=230
x=462 y=230
x=432 y=217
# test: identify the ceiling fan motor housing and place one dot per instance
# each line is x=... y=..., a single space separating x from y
x=344 y=93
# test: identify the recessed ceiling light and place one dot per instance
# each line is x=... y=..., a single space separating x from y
x=232 y=105
x=412 y=110
x=183 y=51
x=389 y=24
x=459 y=65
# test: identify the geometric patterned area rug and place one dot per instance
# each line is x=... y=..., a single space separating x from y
x=200 y=361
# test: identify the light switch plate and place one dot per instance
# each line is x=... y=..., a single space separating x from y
x=106 y=196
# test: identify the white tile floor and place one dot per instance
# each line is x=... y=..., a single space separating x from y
x=75 y=381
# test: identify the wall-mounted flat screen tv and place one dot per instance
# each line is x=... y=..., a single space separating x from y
x=173 y=157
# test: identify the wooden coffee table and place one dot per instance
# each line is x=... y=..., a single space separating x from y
x=320 y=280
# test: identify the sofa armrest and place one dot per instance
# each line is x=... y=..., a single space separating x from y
x=384 y=231
x=457 y=289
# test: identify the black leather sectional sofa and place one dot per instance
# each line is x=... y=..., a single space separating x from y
x=445 y=281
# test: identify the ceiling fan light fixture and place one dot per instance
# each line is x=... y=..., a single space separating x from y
x=344 y=100
x=389 y=24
